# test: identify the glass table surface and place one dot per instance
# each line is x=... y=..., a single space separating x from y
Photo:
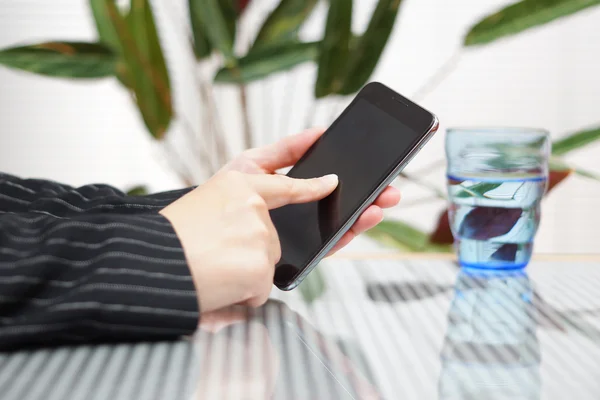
x=358 y=329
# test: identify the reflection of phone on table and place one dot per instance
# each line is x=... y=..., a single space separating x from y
x=367 y=147
x=274 y=353
x=341 y=374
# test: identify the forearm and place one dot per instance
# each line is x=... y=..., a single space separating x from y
x=93 y=277
x=59 y=200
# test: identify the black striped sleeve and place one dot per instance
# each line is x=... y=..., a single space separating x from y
x=61 y=201
x=92 y=277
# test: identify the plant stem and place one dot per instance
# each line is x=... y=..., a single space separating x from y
x=266 y=109
x=204 y=155
x=183 y=21
x=311 y=114
x=428 y=168
x=286 y=107
x=205 y=94
x=171 y=154
x=218 y=131
x=423 y=184
x=179 y=167
x=336 y=109
x=248 y=142
x=419 y=201
x=438 y=77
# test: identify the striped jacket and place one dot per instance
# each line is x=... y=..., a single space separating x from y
x=89 y=264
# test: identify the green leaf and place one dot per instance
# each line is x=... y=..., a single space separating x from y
x=108 y=36
x=477 y=190
x=145 y=64
x=202 y=47
x=229 y=11
x=212 y=19
x=283 y=23
x=62 y=59
x=333 y=54
x=557 y=164
x=521 y=16
x=364 y=56
x=106 y=30
x=404 y=236
x=313 y=286
x=575 y=141
x=265 y=61
x=587 y=174
x=156 y=87
x=140 y=190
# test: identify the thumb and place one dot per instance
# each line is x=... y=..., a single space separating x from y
x=279 y=190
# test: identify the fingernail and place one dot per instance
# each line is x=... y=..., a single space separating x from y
x=330 y=180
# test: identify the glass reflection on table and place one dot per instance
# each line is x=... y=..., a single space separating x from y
x=491 y=350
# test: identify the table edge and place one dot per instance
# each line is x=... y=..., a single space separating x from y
x=452 y=257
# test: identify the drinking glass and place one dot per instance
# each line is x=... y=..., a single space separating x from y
x=496 y=180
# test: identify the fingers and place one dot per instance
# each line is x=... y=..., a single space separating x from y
x=388 y=198
x=271 y=243
x=214 y=321
x=371 y=217
x=343 y=242
x=274 y=244
x=285 y=152
x=279 y=190
x=261 y=296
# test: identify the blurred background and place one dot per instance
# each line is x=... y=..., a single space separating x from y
x=198 y=81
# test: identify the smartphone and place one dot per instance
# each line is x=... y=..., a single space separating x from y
x=367 y=146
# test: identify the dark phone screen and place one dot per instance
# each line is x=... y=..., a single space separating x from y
x=362 y=148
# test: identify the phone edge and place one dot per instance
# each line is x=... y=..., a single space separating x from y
x=389 y=179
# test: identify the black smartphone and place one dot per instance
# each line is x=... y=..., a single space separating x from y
x=367 y=146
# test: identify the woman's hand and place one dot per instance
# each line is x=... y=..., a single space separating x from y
x=285 y=153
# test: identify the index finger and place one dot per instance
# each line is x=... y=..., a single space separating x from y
x=285 y=152
x=279 y=190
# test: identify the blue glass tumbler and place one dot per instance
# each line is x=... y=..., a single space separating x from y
x=496 y=181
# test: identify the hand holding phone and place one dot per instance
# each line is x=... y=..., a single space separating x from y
x=230 y=239
x=368 y=145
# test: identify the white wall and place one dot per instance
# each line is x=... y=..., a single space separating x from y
x=81 y=132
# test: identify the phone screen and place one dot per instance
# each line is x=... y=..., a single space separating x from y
x=362 y=147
